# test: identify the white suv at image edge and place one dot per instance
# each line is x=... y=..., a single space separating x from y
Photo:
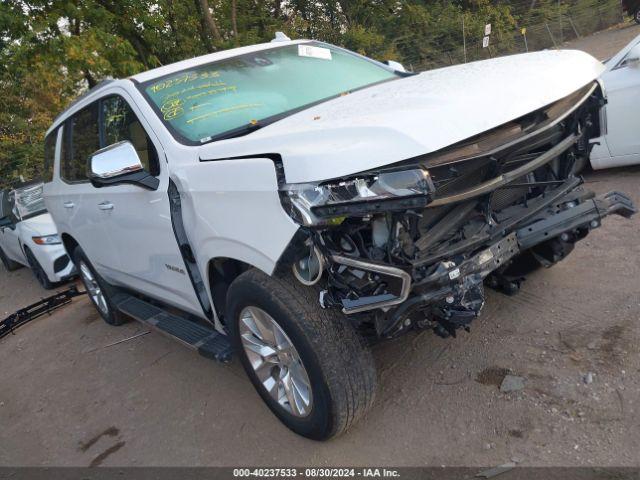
x=28 y=236
x=294 y=203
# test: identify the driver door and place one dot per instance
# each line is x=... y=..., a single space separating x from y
x=137 y=220
x=623 y=109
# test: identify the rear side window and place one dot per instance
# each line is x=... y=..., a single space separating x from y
x=82 y=139
x=49 y=155
x=121 y=123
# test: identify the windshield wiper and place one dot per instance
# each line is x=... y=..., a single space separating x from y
x=236 y=132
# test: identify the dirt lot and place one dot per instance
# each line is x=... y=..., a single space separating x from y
x=69 y=398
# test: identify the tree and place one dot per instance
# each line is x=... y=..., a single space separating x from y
x=209 y=21
x=53 y=50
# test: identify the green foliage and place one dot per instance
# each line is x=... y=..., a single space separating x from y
x=53 y=50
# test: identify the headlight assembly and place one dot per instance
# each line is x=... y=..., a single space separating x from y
x=47 y=240
x=318 y=203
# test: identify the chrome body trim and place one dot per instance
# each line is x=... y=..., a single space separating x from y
x=378 y=268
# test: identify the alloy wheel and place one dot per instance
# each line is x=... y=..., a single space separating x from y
x=93 y=288
x=275 y=361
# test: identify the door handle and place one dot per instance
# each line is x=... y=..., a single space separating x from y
x=69 y=204
x=105 y=206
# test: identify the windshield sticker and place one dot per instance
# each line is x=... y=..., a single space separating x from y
x=314 y=52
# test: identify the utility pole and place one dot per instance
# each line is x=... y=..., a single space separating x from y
x=464 y=40
x=560 y=21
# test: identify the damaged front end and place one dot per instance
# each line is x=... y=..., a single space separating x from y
x=411 y=245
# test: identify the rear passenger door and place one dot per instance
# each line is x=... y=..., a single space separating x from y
x=623 y=110
x=71 y=199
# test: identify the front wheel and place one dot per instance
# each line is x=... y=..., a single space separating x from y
x=9 y=264
x=636 y=15
x=97 y=289
x=308 y=364
x=38 y=271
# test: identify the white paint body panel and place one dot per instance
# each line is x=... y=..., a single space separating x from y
x=14 y=241
x=621 y=144
x=231 y=207
x=413 y=116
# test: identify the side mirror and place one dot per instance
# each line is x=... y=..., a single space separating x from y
x=397 y=66
x=633 y=57
x=119 y=164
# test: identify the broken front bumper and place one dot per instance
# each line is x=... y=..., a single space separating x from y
x=453 y=286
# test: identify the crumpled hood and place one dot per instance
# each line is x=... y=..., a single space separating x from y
x=413 y=116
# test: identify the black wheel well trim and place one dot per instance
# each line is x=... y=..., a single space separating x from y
x=296 y=249
x=188 y=256
x=221 y=272
x=69 y=243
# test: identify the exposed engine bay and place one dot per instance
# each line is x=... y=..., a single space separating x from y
x=414 y=244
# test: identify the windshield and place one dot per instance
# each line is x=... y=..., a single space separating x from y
x=245 y=92
x=28 y=201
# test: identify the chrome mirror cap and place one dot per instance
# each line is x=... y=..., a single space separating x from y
x=114 y=161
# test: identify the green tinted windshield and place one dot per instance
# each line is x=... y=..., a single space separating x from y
x=206 y=102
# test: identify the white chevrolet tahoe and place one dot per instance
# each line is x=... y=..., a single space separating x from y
x=294 y=202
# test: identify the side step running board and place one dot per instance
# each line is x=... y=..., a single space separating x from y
x=206 y=341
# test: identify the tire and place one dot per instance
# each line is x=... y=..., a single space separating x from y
x=522 y=265
x=38 y=271
x=340 y=369
x=9 y=264
x=636 y=15
x=544 y=255
x=99 y=291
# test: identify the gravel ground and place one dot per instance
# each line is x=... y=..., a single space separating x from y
x=605 y=44
x=70 y=397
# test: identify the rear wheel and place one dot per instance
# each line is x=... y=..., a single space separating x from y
x=636 y=15
x=98 y=290
x=308 y=364
x=38 y=271
x=9 y=264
